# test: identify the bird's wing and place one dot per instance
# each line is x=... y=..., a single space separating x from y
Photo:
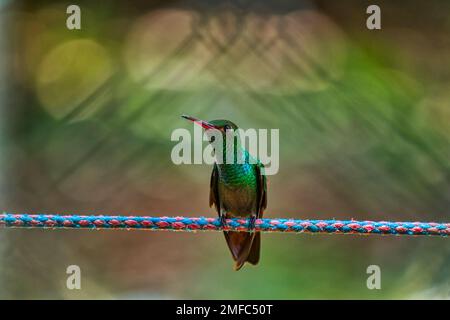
x=261 y=189
x=214 y=189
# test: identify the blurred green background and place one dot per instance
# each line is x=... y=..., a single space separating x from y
x=86 y=118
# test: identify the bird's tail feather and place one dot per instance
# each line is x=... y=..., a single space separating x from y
x=253 y=256
x=244 y=247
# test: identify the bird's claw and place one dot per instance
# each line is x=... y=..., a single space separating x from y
x=251 y=223
x=223 y=221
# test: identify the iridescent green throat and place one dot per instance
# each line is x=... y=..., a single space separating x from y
x=238 y=173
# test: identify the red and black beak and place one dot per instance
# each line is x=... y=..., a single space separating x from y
x=204 y=124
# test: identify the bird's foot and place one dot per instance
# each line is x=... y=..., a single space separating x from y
x=251 y=223
x=223 y=221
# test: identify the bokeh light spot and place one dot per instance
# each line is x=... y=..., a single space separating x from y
x=69 y=73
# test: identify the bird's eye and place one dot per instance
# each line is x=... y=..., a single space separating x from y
x=212 y=139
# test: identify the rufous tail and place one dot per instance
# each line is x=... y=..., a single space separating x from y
x=244 y=247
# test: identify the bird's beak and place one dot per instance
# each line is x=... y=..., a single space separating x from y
x=203 y=124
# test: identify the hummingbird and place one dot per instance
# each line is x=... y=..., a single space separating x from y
x=237 y=190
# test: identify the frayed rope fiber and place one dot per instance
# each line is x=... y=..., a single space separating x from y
x=49 y=221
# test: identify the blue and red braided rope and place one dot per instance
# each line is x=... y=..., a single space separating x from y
x=212 y=224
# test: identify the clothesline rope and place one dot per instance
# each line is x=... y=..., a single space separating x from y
x=52 y=221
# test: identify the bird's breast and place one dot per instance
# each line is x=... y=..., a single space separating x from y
x=238 y=201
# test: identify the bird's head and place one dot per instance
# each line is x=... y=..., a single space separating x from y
x=221 y=125
x=225 y=138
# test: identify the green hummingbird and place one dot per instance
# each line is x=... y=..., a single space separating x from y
x=237 y=190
